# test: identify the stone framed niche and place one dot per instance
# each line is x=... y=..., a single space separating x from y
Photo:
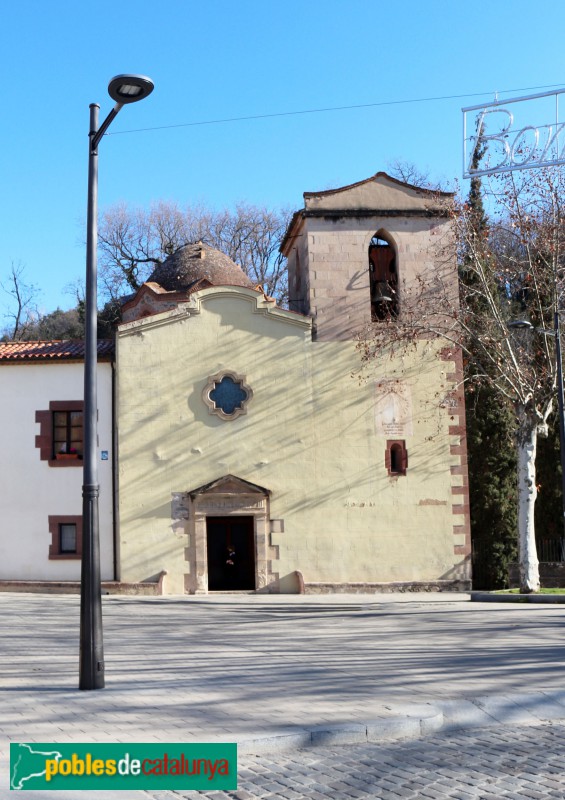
x=226 y=497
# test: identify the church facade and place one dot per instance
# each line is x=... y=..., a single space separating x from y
x=254 y=454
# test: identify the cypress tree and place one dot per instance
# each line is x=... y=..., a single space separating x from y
x=549 y=505
x=492 y=487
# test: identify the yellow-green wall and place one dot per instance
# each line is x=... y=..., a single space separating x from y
x=309 y=436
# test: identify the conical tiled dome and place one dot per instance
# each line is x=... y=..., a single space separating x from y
x=195 y=262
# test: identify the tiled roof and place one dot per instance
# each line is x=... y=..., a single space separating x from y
x=69 y=350
x=195 y=262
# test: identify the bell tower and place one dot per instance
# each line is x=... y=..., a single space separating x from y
x=353 y=251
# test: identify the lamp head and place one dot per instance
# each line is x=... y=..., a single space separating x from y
x=130 y=88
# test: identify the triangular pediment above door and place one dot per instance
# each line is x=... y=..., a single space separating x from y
x=229 y=484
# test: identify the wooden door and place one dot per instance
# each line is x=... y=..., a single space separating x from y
x=231 y=553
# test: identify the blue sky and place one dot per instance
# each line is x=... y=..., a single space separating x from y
x=220 y=59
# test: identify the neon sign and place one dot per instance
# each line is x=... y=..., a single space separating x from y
x=506 y=142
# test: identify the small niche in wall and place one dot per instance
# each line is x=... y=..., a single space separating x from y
x=396 y=457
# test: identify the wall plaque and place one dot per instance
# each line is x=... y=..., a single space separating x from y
x=393 y=408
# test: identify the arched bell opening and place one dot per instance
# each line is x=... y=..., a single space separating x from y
x=383 y=272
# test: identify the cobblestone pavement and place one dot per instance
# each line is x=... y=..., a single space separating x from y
x=511 y=762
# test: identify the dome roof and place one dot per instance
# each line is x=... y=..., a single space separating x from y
x=195 y=262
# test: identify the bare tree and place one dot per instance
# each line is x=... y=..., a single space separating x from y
x=514 y=271
x=134 y=241
x=22 y=310
x=251 y=236
x=76 y=289
x=410 y=173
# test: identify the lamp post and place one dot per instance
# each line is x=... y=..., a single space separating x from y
x=123 y=89
x=525 y=325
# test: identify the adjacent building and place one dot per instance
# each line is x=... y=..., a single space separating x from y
x=41 y=401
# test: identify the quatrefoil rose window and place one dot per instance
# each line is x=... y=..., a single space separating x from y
x=226 y=394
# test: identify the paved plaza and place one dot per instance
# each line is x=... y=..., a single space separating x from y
x=278 y=674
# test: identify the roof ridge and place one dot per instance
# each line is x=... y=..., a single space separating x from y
x=380 y=174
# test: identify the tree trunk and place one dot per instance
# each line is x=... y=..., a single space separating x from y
x=527 y=493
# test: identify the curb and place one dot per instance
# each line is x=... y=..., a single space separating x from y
x=403 y=727
x=540 y=599
x=410 y=722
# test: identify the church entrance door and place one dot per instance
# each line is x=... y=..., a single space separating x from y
x=231 y=553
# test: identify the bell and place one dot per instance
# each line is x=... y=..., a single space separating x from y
x=381 y=292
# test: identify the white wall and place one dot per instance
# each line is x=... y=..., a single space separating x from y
x=31 y=490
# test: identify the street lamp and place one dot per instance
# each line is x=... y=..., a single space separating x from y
x=123 y=89
x=522 y=324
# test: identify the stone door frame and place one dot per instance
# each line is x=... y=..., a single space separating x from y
x=228 y=496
